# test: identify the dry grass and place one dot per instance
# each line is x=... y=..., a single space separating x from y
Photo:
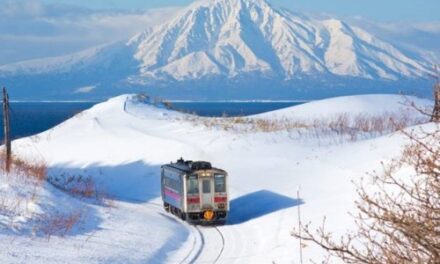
x=82 y=187
x=36 y=170
x=23 y=195
x=59 y=224
x=77 y=185
x=22 y=189
x=344 y=126
x=29 y=175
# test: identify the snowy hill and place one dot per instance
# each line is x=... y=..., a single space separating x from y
x=120 y=145
x=229 y=48
x=370 y=105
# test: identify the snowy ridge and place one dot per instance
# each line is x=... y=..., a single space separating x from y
x=59 y=64
x=371 y=105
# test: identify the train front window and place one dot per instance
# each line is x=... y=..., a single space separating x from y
x=206 y=186
x=219 y=183
x=193 y=185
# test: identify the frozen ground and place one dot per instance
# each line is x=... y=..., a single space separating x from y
x=121 y=144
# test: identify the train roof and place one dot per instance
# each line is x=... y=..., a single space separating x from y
x=191 y=166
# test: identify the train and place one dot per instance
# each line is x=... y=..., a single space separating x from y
x=195 y=191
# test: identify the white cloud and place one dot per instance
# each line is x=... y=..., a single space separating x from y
x=421 y=38
x=85 y=89
x=21 y=8
x=30 y=29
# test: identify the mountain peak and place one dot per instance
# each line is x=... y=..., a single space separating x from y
x=249 y=36
x=228 y=2
x=249 y=41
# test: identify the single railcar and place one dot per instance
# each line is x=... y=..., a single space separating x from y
x=195 y=191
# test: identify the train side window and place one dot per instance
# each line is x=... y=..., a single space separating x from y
x=206 y=186
x=219 y=183
x=193 y=185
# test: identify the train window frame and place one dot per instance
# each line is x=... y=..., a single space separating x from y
x=172 y=184
x=221 y=189
x=192 y=189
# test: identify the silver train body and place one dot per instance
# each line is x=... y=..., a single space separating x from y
x=195 y=191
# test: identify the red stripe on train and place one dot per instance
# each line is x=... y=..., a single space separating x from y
x=220 y=199
x=172 y=194
x=192 y=200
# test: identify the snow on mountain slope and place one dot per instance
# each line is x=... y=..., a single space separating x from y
x=245 y=36
x=100 y=57
x=122 y=143
x=230 y=40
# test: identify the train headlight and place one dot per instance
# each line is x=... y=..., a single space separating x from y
x=208 y=215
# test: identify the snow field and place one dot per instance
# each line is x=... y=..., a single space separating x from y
x=121 y=144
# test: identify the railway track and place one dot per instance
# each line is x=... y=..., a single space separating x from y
x=223 y=244
x=191 y=257
x=208 y=244
x=210 y=248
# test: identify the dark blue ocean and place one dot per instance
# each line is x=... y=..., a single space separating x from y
x=217 y=109
x=32 y=118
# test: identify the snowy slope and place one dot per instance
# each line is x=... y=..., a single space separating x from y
x=102 y=233
x=370 y=105
x=101 y=58
x=122 y=143
x=231 y=44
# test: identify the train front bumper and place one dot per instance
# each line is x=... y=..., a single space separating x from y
x=208 y=217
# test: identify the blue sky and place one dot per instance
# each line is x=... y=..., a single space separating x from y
x=383 y=10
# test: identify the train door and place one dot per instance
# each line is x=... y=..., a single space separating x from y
x=207 y=192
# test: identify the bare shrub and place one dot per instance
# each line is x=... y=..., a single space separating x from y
x=77 y=185
x=59 y=223
x=37 y=171
x=157 y=101
x=84 y=188
x=22 y=194
x=19 y=167
x=22 y=190
x=28 y=175
x=435 y=117
x=80 y=186
x=167 y=104
x=398 y=219
x=142 y=97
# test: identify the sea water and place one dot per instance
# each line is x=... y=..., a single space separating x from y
x=29 y=118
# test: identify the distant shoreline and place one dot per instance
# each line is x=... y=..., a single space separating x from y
x=240 y=101
x=177 y=101
x=50 y=102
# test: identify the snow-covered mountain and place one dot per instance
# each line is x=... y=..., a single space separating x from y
x=232 y=48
